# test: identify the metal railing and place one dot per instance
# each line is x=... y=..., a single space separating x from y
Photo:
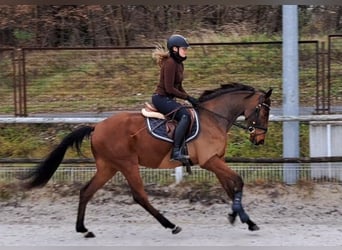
x=315 y=172
x=81 y=74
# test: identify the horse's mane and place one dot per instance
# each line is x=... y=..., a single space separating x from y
x=223 y=89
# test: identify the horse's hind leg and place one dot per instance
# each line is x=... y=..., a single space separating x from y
x=233 y=185
x=87 y=192
x=139 y=195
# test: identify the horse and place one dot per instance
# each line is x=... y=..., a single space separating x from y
x=122 y=143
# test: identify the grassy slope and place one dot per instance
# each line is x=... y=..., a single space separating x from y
x=66 y=81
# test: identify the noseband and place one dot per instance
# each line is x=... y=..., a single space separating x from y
x=253 y=124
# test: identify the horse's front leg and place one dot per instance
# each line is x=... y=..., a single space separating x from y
x=233 y=185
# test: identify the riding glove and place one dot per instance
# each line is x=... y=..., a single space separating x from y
x=194 y=102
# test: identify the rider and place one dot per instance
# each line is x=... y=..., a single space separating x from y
x=170 y=87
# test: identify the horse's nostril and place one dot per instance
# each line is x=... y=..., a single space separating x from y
x=256 y=142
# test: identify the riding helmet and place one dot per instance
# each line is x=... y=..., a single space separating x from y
x=177 y=41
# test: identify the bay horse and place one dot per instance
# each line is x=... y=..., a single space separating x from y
x=122 y=143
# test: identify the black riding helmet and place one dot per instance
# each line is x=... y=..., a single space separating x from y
x=177 y=41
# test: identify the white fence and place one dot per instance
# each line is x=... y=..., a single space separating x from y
x=250 y=174
x=269 y=173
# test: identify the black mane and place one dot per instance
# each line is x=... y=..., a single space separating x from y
x=225 y=88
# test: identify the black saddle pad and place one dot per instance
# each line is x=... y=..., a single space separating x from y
x=157 y=127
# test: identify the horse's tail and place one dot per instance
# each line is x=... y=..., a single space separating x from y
x=44 y=171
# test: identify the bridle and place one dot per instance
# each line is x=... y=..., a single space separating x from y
x=253 y=122
x=251 y=128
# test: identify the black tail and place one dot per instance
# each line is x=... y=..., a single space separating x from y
x=44 y=171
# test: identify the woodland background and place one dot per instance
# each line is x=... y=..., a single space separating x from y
x=131 y=25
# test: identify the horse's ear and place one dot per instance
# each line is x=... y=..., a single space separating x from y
x=268 y=94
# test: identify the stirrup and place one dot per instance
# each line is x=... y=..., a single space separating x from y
x=181 y=158
x=177 y=155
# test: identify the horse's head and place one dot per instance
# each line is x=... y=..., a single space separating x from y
x=227 y=105
x=256 y=115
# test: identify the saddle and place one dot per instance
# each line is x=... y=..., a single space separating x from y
x=163 y=127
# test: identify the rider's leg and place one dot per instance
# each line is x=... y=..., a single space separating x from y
x=179 y=137
x=166 y=105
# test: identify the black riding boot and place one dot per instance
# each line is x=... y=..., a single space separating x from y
x=179 y=136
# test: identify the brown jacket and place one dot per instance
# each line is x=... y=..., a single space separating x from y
x=171 y=77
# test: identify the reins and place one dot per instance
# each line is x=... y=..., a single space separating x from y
x=223 y=117
x=251 y=129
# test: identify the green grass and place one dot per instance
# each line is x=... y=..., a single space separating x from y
x=117 y=77
x=107 y=80
x=34 y=140
x=37 y=140
x=240 y=146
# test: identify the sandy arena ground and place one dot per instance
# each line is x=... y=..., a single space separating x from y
x=309 y=215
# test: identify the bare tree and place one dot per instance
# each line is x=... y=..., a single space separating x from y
x=96 y=25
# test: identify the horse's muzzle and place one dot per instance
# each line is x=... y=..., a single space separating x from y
x=261 y=142
x=257 y=142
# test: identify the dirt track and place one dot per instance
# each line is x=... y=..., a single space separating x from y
x=287 y=216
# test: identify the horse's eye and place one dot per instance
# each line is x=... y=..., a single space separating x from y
x=251 y=129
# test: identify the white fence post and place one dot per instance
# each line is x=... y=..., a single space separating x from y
x=179 y=174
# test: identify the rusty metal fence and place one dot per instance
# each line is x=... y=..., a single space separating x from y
x=334 y=74
x=7 y=80
x=96 y=80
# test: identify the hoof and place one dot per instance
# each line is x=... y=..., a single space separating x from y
x=89 y=235
x=176 y=230
x=253 y=228
x=231 y=218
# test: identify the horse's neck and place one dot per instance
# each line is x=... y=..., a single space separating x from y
x=235 y=106
x=226 y=109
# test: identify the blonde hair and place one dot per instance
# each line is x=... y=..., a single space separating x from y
x=160 y=55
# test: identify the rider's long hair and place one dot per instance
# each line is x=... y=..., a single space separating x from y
x=160 y=55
